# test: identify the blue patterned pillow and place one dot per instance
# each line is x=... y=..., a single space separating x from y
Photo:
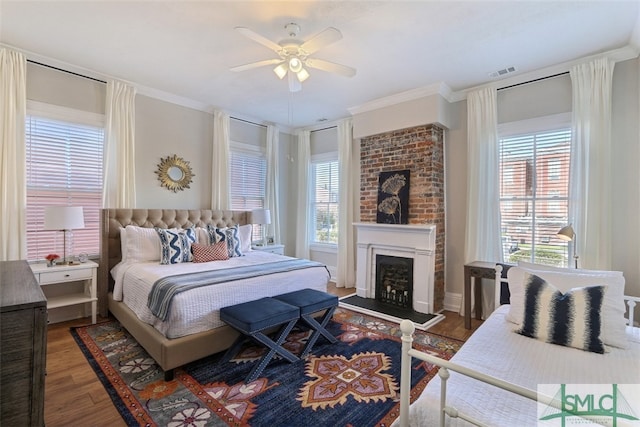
x=572 y=319
x=175 y=245
x=231 y=235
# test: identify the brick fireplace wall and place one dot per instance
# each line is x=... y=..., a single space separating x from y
x=419 y=149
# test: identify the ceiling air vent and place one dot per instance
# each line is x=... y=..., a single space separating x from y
x=502 y=72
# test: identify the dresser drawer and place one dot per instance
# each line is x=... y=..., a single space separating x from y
x=64 y=276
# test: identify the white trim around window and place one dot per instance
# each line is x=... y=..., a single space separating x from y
x=65 y=114
x=537 y=124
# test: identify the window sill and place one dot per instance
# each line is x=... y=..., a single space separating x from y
x=324 y=247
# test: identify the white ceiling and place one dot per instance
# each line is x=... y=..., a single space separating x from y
x=185 y=48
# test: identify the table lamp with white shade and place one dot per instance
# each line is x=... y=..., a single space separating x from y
x=63 y=218
x=263 y=218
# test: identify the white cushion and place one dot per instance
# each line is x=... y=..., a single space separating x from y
x=542 y=267
x=142 y=244
x=123 y=244
x=245 y=238
x=613 y=321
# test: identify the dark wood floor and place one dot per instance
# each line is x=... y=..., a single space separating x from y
x=75 y=396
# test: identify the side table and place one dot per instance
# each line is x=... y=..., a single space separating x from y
x=86 y=271
x=477 y=270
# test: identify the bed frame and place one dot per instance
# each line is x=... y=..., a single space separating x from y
x=168 y=353
x=407 y=327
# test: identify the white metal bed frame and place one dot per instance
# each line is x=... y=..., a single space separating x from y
x=407 y=327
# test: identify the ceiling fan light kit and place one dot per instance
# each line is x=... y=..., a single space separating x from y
x=294 y=55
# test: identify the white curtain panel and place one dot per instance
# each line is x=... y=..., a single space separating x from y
x=348 y=168
x=302 y=211
x=220 y=197
x=119 y=189
x=590 y=182
x=482 y=240
x=13 y=190
x=271 y=191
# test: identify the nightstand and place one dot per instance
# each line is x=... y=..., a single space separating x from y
x=274 y=249
x=84 y=272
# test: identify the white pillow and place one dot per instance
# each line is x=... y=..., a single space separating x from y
x=245 y=238
x=143 y=244
x=542 y=267
x=202 y=236
x=123 y=244
x=613 y=321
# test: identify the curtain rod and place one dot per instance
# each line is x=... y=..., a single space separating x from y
x=248 y=121
x=66 y=71
x=534 y=80
x=327 y=128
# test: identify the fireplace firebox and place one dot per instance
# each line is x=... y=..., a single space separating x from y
x=394 y=280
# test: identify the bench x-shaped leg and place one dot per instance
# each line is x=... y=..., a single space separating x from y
x=274 y=347
x=318 y=329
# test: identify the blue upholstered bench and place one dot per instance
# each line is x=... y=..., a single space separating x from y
x=252 y=318
x=311 y=301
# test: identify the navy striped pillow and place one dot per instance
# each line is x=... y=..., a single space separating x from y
x=175 y=245
x=230 y=235
x=572 y=319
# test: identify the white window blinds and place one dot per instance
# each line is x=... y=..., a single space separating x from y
x=248 y=171
x=534 y=194
x=324 y=206
x=64 y=168
x=248 y=174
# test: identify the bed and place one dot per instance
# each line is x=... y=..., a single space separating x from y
x=190 y=329
x=495 y=378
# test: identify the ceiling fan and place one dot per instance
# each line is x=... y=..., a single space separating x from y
x=294 y=55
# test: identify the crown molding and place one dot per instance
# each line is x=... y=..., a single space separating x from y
x=621 y=54
x=440 y=88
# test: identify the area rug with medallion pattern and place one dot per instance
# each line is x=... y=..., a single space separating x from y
x=354 y=382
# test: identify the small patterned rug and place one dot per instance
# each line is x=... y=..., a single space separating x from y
x=354 y=382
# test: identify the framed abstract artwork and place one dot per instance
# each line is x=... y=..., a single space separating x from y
x=393 y=197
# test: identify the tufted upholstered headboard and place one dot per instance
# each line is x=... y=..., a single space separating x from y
x=112 y=220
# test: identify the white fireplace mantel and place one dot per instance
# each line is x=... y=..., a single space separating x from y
x=417 y=241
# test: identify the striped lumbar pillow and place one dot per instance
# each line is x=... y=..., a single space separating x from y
x=572 y=319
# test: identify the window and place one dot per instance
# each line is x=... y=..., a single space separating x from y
x=534 y=190
x=324 y=205
x=64 y=168
x=248 y=173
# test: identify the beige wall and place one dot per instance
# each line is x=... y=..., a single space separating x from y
x=164 y=128
x=540 y=99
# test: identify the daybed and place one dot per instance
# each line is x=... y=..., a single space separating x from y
x=486 y=382
x=192 y=328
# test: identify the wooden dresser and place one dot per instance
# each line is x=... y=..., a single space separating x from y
x=23 y=345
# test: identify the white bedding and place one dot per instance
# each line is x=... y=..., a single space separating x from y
x=199 y=309
x=495 y=350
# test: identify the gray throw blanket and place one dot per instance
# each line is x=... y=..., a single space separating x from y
x=165 y=289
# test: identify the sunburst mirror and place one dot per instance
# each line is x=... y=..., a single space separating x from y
x=174 y=173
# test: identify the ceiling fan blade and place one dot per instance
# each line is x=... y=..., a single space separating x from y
x=323 y=38
x=294 y=83
x=257 y=64
x=258 y=38
x=331 y=67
